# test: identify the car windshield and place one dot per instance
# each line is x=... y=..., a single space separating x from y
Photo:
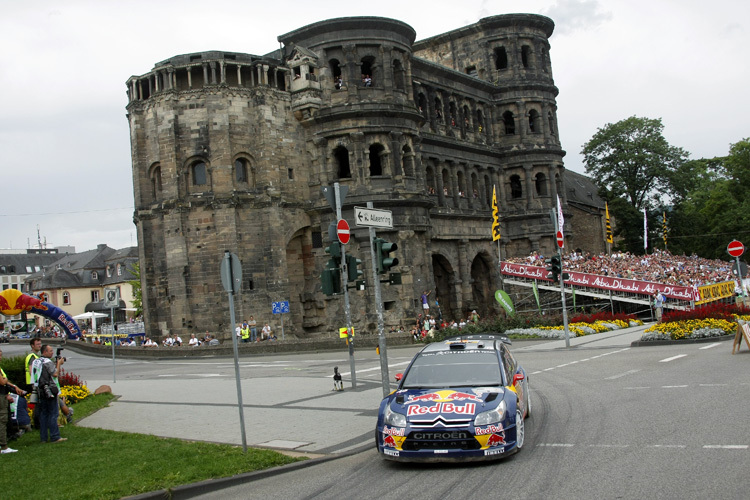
x=454 y=369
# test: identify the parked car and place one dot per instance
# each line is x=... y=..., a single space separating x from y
x=464 y=398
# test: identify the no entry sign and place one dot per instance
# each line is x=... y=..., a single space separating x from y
x=735 y=248
x=342 y=230
x=560 y=240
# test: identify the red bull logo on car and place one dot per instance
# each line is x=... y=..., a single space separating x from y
x=490 y=429
x=444 y=396
x=467 y=409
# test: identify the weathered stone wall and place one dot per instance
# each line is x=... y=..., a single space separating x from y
x=422 y=138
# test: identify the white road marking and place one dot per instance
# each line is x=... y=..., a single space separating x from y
x=725 y=446
x=712 y=385
x=556 y=445
x=667 y=360
x=534 y=373
x=372 y=369
x=674 y=386
x=636 y=388
x=630 y=372
x=665 y=446
x=709 y=346
x=608 y=445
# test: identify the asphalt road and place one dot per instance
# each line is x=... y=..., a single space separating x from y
x=608 y=421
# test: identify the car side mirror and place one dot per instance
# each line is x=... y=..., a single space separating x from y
x=399 y=376
x=518 y=377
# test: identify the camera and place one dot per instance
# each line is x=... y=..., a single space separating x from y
x=48 y=392
x=57 y=355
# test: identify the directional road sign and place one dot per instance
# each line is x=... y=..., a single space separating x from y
x=735 y=248
x=372 y=217
x=342 y=230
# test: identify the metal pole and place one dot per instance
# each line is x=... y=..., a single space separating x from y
x=739 y=275
x=282 y=326
x=347 y=307
x=236 y=356
x=112 y=320
x=384 y=376
x=562 y=285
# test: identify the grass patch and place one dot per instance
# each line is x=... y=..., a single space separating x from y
x=103 y=464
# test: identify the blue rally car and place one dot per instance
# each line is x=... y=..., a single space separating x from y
x=460 y=399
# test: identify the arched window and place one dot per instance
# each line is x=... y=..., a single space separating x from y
x=336 y=73
x=540 y=182
x=461 y=184
x=119 y=269
x=376 y=157
x=430 y=180
x=341 y=155
x=198 y=173
x=525 y=56
x=510 y=123
x=399 y=75
x=422 y=103
x=109 y=272
x=534 y=122
x=156 y=185
x=438 y=110
x=241 y=171
x=453 y=117
x=516 y=190
x=447 y=191
x=66 y=298
x=479 y=122
x=466 y=118
x=501 y=58
x=368 y=71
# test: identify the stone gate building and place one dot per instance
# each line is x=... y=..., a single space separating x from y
x=230 y=152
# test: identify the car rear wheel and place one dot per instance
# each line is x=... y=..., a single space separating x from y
x=520 y=430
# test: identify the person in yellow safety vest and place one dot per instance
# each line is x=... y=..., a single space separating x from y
x=245 y=332
x=36 y=347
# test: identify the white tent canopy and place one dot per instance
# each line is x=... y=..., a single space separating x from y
x=92 y=316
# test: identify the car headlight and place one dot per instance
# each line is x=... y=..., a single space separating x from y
x=393 y=418
x=491 y=416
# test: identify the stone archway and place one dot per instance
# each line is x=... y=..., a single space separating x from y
x=445 y=289
x=482 y=288
x=300 y=265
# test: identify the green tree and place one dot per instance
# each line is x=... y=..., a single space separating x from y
x=711 y=203
x=632 y=159
x=135 y=269
x=634 y=165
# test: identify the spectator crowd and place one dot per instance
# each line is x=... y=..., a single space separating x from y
x=659 y=267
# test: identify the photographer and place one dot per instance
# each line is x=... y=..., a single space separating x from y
x=6 y=388
x=48 y=396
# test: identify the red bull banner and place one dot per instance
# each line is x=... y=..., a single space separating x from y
x=14 y=302
x=687 y=293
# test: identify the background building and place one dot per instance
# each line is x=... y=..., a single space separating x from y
x=230 y=152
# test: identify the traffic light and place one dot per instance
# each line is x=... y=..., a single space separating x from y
x=353 y=272
x=334 y=250
x=383 y=250
x=330 y=279
x=554 y=268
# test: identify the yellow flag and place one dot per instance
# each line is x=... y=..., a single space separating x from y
x=609 y=226
x=495 y=217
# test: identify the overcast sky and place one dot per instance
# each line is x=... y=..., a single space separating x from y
x=66 y=166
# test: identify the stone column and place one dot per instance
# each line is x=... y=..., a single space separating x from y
x=396 y=153
x=464 y=269
x=529 y=184
x=190 y=77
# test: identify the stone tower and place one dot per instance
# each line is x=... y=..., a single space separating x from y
x=230 y=152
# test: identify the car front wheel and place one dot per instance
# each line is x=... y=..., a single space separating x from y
x=520 y=430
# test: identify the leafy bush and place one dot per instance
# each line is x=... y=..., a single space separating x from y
x=15 y=369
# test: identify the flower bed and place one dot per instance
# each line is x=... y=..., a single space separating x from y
x=578 y=329
x=710 y=320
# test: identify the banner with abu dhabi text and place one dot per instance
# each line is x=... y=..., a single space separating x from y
x=602 y=282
